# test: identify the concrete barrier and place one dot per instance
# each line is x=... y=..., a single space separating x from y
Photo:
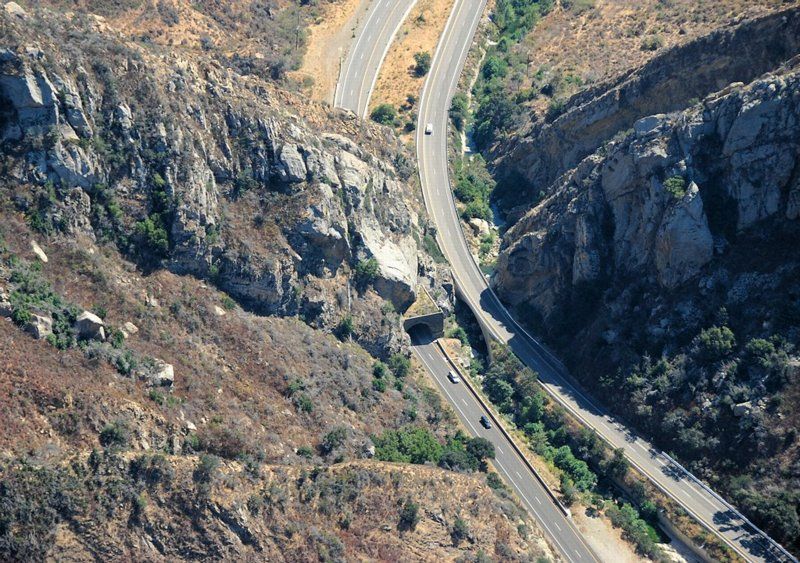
x=501 y=427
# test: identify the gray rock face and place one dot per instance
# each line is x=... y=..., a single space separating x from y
x=293 y=167
x=319 y=201
x=683 y=243
x=161 y=374
x=90 y=326
x=39 y=326
x=651 y=206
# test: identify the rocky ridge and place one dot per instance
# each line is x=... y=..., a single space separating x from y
x=662 y=202
x=547 y=147
x=247 y=196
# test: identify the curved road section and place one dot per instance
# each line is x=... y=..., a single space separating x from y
x=372 y=40
x=663 y=471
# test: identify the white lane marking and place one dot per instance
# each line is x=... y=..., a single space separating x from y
x=578 y=554
x=536 y=514
x=557 y=526
x=499 y=449
x=519 y=489
x=518 y=475
x=538 y=500
x=464 y=401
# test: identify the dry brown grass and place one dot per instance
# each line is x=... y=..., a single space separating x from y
x=328 y=40
x=607 y=40
x=419 y=33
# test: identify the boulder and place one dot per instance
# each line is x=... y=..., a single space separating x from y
x=129 y=329
x=37 y=250
x=14 y=9
x=5 y=305
x=742 y=409
x=479 y=226
x=90 y=326
x=293 y=167
x=40 y=326
x=162 y=374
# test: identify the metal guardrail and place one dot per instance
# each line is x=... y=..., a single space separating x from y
x=762 y=536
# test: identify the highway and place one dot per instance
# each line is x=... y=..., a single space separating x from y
x=360 y=68
x=473 y=288
x=357 y=80
x=559 y=529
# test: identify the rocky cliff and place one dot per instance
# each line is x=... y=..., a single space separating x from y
x=665 y=270
x=549 y=146
x=184 y=164
x=664 y=201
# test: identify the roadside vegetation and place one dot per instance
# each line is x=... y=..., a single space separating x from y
x=588 y=471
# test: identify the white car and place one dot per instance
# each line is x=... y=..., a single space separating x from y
x=429 y=129
x=453 y=377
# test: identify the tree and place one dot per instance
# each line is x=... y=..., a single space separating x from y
x=423 y=63
x=480 y=448
x=366 y=272
x=385 y=114
x=459 y=110
x=500 y=392
x=617 y=466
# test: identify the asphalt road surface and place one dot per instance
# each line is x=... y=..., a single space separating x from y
x=364 y=59
x=558 y=528
x=473 y=289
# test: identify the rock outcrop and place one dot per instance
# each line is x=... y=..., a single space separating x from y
x=90 y=326
x=667 y=83
x=39 y=326
x=660 y=203
x=236 y=184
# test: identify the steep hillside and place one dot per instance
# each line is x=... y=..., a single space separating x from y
x=553 y=142
x=664 y=267
x=198 y=274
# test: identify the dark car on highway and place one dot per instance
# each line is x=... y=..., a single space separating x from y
x=485 y=422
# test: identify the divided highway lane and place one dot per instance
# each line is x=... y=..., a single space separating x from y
x=434 y=103
x=364 y=59
x=561 y=532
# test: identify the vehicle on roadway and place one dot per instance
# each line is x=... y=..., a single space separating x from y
x=429 y=129
x=485 y=422
x=453 y=377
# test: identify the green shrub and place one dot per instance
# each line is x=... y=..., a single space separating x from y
x=400 y=365
x=459 y=110
x=676 y=186
x=652 y=43
x=385 y=114
x=460 y=530
x=303 y=403
x=346 y=327
x=423 y=63
x=408 y=445
x=409 y=515
x=714 y=344
x=114 y=435
x=366 y=272
x=305 y=451
x=333 y=440
x=379 y=369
